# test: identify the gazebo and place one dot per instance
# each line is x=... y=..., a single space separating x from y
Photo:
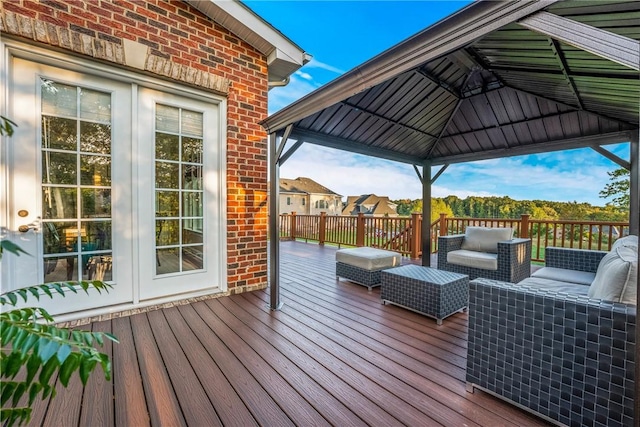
x=495 y=79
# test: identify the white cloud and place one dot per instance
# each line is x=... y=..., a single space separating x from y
x=314 y=63
x=304 y=76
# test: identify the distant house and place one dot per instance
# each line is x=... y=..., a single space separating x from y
x=370 y=205
x=306 y=197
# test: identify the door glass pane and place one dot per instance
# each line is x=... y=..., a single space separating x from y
x=95 y=170
x=179 y=198
x=59 y=168
x=95 y=138
x=80 y=246
x=59 y=99
x=59 y=133
x=95 y=105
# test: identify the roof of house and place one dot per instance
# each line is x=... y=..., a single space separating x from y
x=492 y=80
x=284 y=57
x=303 y=185
x=369 y=204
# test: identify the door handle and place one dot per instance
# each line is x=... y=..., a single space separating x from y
x=35 y=226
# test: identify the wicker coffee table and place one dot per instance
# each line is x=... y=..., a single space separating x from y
x=434 y=293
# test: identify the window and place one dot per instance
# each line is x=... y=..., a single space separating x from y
x=288 y=201
x=303 y=201
x=179 y=191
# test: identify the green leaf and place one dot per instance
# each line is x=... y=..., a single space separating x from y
x=9 y=416
x=63 y=352
x=8 y=332
x=86 y=367
x=98 y=337
x=23 y=294
x=12 y=247
x=34 y=390
x=33 y=364
x=46 y=349
x=13 y=364
x=6 y=391
x=68 y=367
x=34 y=292
x=57 y=288
x=47 y=370
x=17 y=394
x=12 y=298
x=46 y=290
x=111 y=337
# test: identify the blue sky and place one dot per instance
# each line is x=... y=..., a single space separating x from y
x=343 y=34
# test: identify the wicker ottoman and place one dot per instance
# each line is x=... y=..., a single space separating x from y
x=363 y=265
x=434 y=293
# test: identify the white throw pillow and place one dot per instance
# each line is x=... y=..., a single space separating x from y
x=617 y=276
x=483 y=239
x=630 y=240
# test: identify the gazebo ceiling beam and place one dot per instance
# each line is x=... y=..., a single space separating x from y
x=515 y=122
x=442 y=85
x=538 y=148
x=605 y=44
x=555 y=46
x=352 y=146
x=383 y=118
x=609 y=155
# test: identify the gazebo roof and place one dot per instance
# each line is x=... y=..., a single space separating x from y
x=495 y=79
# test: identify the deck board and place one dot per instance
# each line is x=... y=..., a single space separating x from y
x=333 y=355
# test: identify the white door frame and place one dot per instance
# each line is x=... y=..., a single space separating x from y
x=9 y=49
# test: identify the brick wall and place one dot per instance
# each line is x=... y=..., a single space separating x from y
x=187 y=46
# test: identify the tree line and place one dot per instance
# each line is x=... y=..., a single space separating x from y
x=508 y=208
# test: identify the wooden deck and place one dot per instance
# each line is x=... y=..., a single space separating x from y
x=332 y=356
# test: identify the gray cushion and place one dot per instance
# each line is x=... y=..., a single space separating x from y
x=626 y=241
x=555 y=286
x=564 y=275
x=483 y=239
x=617 y=276
x=369 y=258
x=483 y=260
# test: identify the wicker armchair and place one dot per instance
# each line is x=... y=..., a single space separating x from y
x=514 y=259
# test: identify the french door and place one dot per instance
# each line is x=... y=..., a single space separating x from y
x=111 y=181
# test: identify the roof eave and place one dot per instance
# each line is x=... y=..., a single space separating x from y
x=284 y=57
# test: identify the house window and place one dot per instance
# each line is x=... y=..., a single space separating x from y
x=179 y=190
x=303 y=201
x=316 y=204
x=288 y=201
x=76 y=179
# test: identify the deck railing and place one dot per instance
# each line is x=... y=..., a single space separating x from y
x=403 y=234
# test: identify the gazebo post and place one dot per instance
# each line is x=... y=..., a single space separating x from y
x=274 y=223
x=634 y=225
x=426 y=213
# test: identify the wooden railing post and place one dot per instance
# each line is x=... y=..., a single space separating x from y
x=524 y=226
x=360 y=230
x=322 y=228
x=416 y=234
x=443 y=224
x=292 y=231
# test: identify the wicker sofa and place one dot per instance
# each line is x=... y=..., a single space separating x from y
x=550 y=348
x=491 y=253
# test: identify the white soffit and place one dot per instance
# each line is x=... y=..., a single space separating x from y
x=284 y=57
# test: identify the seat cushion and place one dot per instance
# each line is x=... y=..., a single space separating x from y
x=565 y=275
x=482 y=260
x=555 y=286
x=617 y=275
x=369 y=258
x=483 y=239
